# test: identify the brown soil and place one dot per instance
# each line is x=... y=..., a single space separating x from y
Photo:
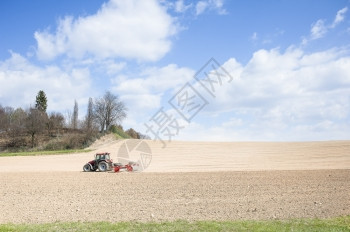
x=186 y=180
x=180 y=156
x=78 y=196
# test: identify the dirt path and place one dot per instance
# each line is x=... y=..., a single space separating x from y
x=78 y=196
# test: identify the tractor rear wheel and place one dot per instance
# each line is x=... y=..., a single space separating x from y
x=87 y=168
x=102 y=166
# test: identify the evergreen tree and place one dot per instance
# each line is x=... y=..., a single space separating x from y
x=90 y=115
x=75 y=116
x=41 y=101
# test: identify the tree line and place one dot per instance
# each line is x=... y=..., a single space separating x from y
x=103 y=114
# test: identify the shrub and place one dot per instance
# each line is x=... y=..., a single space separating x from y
x=118 y=130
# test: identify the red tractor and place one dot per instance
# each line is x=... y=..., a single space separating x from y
x=102 y=162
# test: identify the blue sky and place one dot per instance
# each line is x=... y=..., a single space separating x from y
x=287 y=63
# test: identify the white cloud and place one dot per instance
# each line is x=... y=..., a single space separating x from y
x=267 y=38
x=216 y=5
x=134 y=29
x=320 y=28
x=20 y=81
x=254 y=36
x=279 y=96
x=201 y=6
x=141 y=102
x=276 y=96
x=181 y=7
x=112 y=67
x=340 y=16
x=154 y=80
x=198 y=8
x=144 y=94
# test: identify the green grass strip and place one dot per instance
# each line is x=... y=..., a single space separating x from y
x=334 y=224
x=36 y=153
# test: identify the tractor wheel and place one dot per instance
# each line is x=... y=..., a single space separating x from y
x=102 y=166
x=87 y=168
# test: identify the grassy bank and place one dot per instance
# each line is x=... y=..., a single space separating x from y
x=334 y=224
x=35 y=153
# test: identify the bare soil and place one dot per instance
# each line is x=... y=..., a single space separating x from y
x=180 y=156
x=77 y=196
x=186 y=180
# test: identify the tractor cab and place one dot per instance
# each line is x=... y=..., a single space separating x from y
x=102 y=162
x=102 y=156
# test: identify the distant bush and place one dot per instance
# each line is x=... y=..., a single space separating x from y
x=118 y=130
x=133 y=134
x=54 y=145
x=72 y=141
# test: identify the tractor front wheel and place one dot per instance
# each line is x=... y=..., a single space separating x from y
x=87 y=168
x=102 y=166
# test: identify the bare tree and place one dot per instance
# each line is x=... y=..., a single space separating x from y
x=17 y=121
x=3 y=119
x=12 y=125
x=6 y=118
x=75 y=116
x=17 y=128
x=68 y=119
x=8 y=113
x=108 y=110
x=34 y=123
x=55 y=122
x=89 y=118
x=100 y=113
x=18 y=117
x=115 y=109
